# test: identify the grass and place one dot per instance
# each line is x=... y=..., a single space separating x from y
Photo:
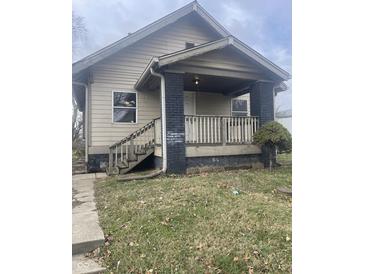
x=196 y=224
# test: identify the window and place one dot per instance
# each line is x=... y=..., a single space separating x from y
x=189 y=45
x=124 y=107
x=239 y=107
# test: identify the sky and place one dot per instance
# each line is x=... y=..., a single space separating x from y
x=264 y=25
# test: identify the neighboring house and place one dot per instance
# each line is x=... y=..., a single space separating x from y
x=182 y=90
x=284 y=118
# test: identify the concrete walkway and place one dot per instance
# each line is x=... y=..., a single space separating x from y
x=86 y=232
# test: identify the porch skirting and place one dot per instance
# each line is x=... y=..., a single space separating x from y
x=211 y=163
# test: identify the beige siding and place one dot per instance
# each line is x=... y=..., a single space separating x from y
x=121 y=71
x=216 y=104
x=226 y=60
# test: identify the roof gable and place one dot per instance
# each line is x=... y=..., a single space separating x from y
x=193 y=7
x=247 y=53
x=220 y=44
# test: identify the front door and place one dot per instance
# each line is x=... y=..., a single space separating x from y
x=189 y=103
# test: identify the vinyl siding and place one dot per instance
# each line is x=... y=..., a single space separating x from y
x=122 y=70
x=227 y=59
x=216 y=104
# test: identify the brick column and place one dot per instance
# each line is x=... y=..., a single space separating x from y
x=175 y=123
x=262 y=101
x=262 y=105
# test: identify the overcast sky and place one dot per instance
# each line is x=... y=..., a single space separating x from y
x=265 y=25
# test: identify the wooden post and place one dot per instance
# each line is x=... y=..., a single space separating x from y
x=110 y=159
x=116 y=156
x=223 y=131
x=132 y=155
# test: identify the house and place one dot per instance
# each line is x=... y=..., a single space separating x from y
x=182 y=90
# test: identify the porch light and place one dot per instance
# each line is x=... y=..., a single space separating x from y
x=196 y=80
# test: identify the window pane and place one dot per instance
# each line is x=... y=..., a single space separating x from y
x=124 y=115
x=239 y=114
x=124 y=99
x=239 y=105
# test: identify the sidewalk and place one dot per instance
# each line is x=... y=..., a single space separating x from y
x=86 y=232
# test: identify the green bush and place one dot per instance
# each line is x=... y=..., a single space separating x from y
x=274 y=136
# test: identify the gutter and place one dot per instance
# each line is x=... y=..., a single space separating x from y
x=163 y=118
x=86 y=125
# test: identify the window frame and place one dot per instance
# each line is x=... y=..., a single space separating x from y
x=136 y=107
x=239 y=111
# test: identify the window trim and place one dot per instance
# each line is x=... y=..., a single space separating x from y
x=136 y=107
x=239 y=111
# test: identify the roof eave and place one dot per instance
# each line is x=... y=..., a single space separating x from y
x=144 y=32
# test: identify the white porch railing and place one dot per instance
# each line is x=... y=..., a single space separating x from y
x=201 y=129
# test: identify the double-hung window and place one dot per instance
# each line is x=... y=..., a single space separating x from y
x=124 y=107
x=239 y=107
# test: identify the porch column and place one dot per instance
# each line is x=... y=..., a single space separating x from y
x=262 y=101
x=175 y=123
x=262 y=105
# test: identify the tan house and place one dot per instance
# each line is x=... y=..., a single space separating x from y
x=182 y=92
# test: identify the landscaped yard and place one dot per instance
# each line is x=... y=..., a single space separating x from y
x=223 y=222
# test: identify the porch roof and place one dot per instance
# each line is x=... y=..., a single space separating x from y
x=177 y=61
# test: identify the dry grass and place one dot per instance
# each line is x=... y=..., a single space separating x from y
x=196 y=224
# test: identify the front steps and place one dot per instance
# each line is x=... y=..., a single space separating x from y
x=130 y=164
x=132 y=150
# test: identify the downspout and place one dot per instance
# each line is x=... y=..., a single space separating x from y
x=86 y=125
x=163 y=119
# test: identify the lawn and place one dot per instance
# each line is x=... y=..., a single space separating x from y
x=217 y=222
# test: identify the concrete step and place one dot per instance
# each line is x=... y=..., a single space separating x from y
x=85 y=265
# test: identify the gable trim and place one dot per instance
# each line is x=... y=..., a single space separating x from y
x=207 y=47
x=144 y=32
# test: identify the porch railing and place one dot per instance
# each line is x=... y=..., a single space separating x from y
x=200 y=129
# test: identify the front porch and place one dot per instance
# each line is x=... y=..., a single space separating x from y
x=208 y=131
x=215 y=135
x=209 y=141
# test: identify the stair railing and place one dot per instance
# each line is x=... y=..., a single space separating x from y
x=129 y=147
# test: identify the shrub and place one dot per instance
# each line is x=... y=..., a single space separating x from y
x=274 y=137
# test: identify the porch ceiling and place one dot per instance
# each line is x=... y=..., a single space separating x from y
x=216 y=84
